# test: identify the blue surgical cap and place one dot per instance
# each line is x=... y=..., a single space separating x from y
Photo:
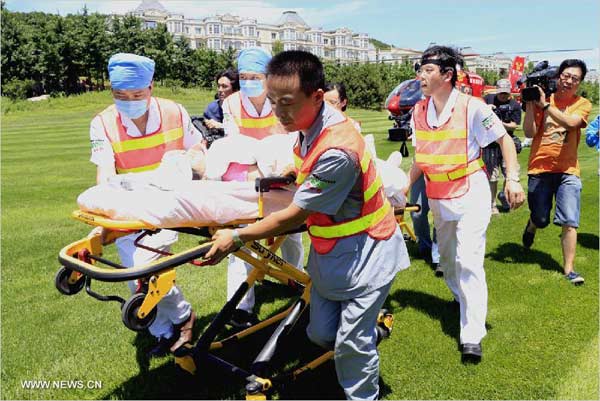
x=253 y=59
x=130 y=71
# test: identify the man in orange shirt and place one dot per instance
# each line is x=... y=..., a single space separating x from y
x=555 y=127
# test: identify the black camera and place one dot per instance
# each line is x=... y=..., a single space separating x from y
x=401 y=129
x=543 y=76
x=503 y=112
x=209 y=134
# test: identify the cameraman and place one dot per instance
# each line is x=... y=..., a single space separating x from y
x=508 y=111
x=555 y=126
x=227 y=83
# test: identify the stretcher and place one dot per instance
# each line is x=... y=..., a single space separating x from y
x=82 y=262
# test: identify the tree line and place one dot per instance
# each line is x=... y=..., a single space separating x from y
x=63 y=55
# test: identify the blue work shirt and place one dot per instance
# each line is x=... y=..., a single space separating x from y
x=357 y=264
x=214 y=111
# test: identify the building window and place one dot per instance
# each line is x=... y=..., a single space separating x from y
x=273 y=35
x=198 y=31
x=251 y=31
x=214 y=29
x=151 y=24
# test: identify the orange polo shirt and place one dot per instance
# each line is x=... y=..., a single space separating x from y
x=554 y=148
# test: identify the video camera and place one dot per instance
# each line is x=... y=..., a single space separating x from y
x=400 y=103
x=209 y=134
x=543 y=76
x=503 y=112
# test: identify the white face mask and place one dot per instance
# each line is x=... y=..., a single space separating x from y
x=132 y=108
x=252 y=87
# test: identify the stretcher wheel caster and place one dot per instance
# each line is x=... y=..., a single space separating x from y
x=129 y=312
x=385 y=324
x=65 y=284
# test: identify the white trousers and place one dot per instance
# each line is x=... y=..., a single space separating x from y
x=173 y=308
x=462 y=252
x=292 y=252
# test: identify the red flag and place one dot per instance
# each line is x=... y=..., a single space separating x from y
x=516 y=72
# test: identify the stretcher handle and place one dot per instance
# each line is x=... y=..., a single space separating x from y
x=267 y=183
x=409 y=207
x=71 y=262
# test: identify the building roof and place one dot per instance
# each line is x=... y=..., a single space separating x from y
x=291 y=18
x=151 y=5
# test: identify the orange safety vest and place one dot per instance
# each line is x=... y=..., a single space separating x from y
x=135 y=154
x=442 y=153
x=376 y=215
x=255 y=127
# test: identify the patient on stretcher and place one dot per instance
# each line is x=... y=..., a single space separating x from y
x=169 y=197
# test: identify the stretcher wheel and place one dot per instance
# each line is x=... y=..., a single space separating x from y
x=129 y=314
x=61 y=281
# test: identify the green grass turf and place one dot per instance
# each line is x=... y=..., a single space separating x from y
x=543 y=332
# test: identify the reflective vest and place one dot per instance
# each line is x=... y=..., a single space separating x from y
x=442 y=153
x=255 y=127
x=135 y=154
x=376 y=216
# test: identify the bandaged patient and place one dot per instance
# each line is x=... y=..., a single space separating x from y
x=169 y=196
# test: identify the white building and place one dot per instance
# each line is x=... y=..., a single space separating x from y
x=221 y=32
x=394 y=55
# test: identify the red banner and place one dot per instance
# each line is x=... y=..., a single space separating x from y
x=516 y=72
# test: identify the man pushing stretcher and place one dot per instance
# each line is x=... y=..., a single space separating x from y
x=356 y=245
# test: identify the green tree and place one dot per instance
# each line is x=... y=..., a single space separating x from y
x=489 y=77
x=277 y=47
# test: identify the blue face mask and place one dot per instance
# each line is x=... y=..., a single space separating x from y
x=252 y=88
x=132 y=108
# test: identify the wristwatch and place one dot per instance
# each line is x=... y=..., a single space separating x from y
x=236 y=239
x=546 y=106
x=513 y=177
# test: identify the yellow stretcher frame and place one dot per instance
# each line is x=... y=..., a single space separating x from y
x=79 y=260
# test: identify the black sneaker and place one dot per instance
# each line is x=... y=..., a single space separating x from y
x=242 y=319
x=471 y=353
x=527 y=237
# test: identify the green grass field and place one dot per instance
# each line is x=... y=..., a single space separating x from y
x=543 y=332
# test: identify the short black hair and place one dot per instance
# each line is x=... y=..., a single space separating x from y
x=340 y=87
x=448 y=57
x=306 y=65
x=573 y=62
x=232 y=76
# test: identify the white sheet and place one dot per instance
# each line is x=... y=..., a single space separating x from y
x=167 y=197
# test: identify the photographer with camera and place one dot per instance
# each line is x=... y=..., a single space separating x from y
x=508 y=111
x=555 y=126
x=227 y=83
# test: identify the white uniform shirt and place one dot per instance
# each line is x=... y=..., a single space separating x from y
x=484 y=128
x=102 y=151
x=229 y=124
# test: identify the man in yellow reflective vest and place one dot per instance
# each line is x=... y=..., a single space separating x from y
x=356 y=245
x=131 y=136
x=450 y=128
x=248 y=112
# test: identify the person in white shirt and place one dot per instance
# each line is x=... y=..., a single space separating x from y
x=131 y=136
x=450 y=128
x=248 y=112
